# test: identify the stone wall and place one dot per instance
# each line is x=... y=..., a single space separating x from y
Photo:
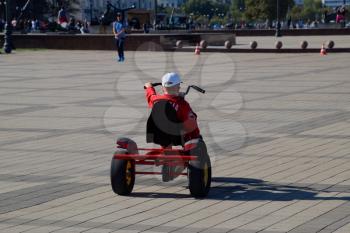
x=152 y=42
x=146 y=42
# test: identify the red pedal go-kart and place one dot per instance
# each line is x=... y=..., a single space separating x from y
x=192 y=159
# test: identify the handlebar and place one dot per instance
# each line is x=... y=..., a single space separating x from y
x=187 y=90
x=196 y=88
x=154 y=85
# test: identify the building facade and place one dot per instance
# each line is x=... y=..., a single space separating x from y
x=95 y=8
x=335 y=3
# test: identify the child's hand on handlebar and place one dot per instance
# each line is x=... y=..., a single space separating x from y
x=147 y=85
x=182 y=94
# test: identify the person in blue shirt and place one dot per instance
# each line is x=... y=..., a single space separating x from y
x=119 y=35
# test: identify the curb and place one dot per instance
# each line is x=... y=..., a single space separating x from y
x=286 y=50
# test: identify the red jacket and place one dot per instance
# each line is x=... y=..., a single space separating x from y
x=184 y=112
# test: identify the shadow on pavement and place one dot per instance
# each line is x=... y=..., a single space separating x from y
x=246 y=189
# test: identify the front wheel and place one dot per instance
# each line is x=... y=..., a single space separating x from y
x=199 y=173
x=122 y=175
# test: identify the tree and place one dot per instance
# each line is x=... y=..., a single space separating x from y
x=311 y=10
x=257 y=9
x=205 y=8
x=30 y=9
x=38 y=9
x=202 y=20
x=198 y=7
x=267 y=9
x=296 y=12
x=236 y=9
x=70 y=5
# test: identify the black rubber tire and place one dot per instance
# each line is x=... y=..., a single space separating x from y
x=199 y=172
x=122 y=175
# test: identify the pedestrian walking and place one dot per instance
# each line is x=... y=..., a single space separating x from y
x=119 y=35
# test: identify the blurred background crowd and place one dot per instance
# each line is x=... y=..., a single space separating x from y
x=75 y=16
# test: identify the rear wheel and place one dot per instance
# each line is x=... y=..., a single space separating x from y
x=122 y=175
x=199 y=172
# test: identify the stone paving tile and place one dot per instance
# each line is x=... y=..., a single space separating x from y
x=16 y=229
x=276 y=126
x=44 y=229
x=340 y=225
x=325 y=220
x=97 y=230
x=305 y=216
x=126 y=231
x=343 y=229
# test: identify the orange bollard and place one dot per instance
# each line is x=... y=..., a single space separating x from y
x=323 y=51
x=197 y=51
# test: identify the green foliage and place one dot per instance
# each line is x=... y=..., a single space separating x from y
x=198 y=7
x=267 y=9
x=296 y=12
x=205 y=8
x=312 y=10
x=71 y=6
x=35 y=9
x=236 y=10
x=169 y=10
x=218 y=20
x=203 y=20
x=256 y=9
x=312 y=4
x=39 y=9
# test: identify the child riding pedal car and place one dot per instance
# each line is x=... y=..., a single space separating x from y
x=171 y=122
x=174 y=122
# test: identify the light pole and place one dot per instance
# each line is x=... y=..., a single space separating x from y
x=8 y=28
x=2 y=8
x=155 y=14
x=90 y=11
x=344 y=20
x=278 y=24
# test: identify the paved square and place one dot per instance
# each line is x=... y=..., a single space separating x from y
x=277 y=127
